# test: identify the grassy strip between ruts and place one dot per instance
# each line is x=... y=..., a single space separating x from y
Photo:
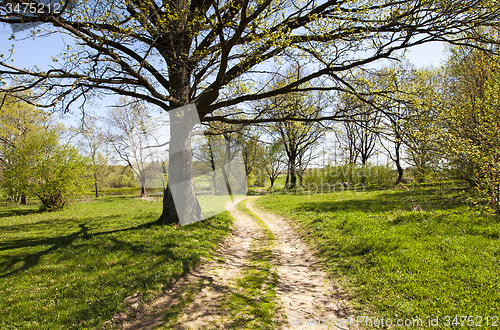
x=405 y=254
x=251 y=305
x=73 y=269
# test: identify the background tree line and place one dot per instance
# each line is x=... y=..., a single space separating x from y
x=436 y=123
x=215 y=55
x=44 y=159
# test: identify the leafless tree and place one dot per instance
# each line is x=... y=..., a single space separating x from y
x=134 y=138
x=92 y=143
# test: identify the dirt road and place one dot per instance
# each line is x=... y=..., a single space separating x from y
x=263 y=277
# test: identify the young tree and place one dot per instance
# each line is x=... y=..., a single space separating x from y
x=472 y=119
x=410 y=129
x=16 y=120
x=360 y=134
x=297 y=137
x=423 y=128
x=303 y=160
x=174 y=53
x=93 y=141
x=274 y=160
x=346 y=139
x=251 y=149
x=40 y=165
x=206 y=156
x=393 y=86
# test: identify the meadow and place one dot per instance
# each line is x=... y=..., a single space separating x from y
x=73 y=269
x=404 y=253
x=410 y=252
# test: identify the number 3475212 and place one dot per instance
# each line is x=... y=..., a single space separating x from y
x=33 y=8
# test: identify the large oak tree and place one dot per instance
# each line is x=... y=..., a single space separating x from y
x=210 y=52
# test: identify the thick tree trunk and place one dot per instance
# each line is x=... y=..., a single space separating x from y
x=24 y=200
x=400 y=173
x=180 y=205
x=363 y=170
x=143 y=191
x=169 y=214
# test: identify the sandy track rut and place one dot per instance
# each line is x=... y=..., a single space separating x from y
x=303 y=291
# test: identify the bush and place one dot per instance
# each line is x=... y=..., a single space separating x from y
x=39 y=165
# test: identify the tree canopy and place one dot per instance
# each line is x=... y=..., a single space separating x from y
x=172 y=53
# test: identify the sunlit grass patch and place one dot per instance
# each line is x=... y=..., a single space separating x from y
x=404 y=253
x=215 y=204
x=73 y=269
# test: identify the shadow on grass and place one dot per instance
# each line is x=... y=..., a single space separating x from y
x=32 y=259
x=55 y=243
x=417 y=199
x=19 y=211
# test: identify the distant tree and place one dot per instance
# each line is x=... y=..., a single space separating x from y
x=206 y=162
x=304 y=159
x=297 y=137
x=92 y=142
x=133 y=136
x=251 y=149
x=422 y=126
x=221 y=152
x=346 y=138
x=409 y=103
x=389 y=82
x=274 y=160
x=359 y=135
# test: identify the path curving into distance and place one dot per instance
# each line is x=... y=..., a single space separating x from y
x=263 y=276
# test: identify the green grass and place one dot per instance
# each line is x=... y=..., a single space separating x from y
x=73 y=269
x=214 y=204
x=404 y=253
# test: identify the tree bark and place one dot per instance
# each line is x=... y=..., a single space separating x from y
x=180 y=205
x=143 y=191
x=287 y=181
x=96 y=186
x=169 y=214
x=293 y=171
x=24 y=200
x=397 y=161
